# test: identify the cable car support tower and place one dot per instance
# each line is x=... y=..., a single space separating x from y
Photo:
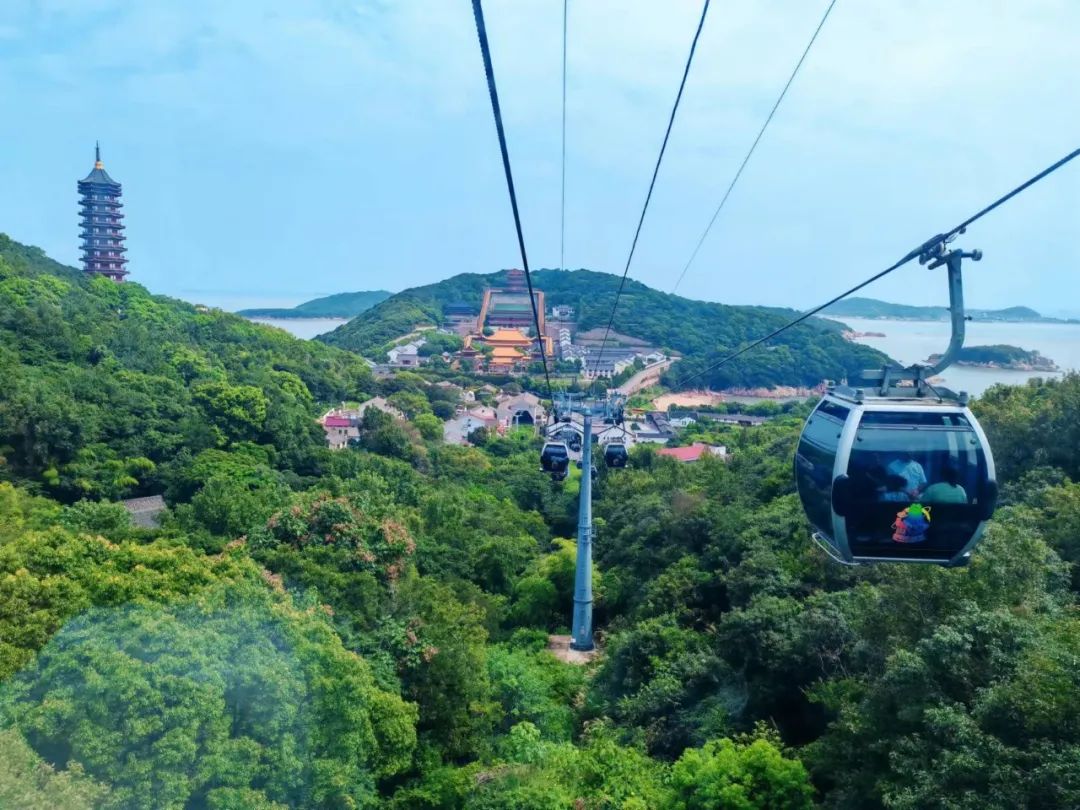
x=610 y=411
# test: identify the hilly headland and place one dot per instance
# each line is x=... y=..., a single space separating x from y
x=856 y=307
x=339 y=305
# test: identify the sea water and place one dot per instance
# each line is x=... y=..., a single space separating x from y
x=914 y=341
x=306 y=328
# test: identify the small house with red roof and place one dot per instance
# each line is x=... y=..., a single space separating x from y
x=695 y=452
x=339 y=430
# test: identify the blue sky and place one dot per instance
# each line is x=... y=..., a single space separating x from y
x=280 y=149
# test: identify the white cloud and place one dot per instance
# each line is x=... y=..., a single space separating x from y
x=905 y=117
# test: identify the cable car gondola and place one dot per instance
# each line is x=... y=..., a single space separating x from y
x=614 y=416
x=555 y=459
x=615 y=454
x=570 y=437
x=893 y=479
x=900 y=471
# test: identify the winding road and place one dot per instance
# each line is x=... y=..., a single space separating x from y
x=646 y=377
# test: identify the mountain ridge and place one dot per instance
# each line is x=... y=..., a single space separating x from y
x=338 y=305
x=858 y=307
x=702 y=332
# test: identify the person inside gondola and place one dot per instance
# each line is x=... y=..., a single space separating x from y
x=911 y=471
x=867 y=483
x=896 y=489
x=948 y=490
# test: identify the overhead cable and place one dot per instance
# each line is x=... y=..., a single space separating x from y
x=753 y=146
x=914 y=254
x=485 y=50
x=652 y=183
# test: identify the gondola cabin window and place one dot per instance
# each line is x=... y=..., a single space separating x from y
x=815 y=461
x=916 y=484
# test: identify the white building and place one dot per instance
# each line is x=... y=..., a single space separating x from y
x=605 y=367
x=407 y=354
x=457 y=430
x=380 y=404
x=522 y=409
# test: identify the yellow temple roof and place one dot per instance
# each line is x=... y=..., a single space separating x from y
x=507 y=337
x=505 y=354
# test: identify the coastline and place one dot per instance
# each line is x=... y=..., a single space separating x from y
x=255 y=314
x=304 y=328
x=912 y=342
x=1039 y=367
x=975 y=319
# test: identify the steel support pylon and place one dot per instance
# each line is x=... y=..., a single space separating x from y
x=581 y=637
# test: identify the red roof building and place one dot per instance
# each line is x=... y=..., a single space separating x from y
x=692 y=453
x=341 y=427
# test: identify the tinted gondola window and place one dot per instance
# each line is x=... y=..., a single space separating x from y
x=554 y=458
x=933 y=460
x=815 y=460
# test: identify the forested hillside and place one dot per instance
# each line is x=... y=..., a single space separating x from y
x=366 y=628
x=108 y=389
x=701 y=331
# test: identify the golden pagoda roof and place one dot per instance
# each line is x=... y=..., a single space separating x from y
x=506 y=353
x=508 y=337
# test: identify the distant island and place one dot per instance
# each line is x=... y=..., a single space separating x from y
x=873 y=308
x=1002 y=356
x=340 y=305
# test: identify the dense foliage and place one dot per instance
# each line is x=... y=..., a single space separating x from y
x=339 y=305
x=700 y=331
x=369 y=627
x=108 y=390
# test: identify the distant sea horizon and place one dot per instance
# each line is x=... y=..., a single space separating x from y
x=231 y=301
x=914 y=341
x=306 y=328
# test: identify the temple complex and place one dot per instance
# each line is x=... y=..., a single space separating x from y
x=500 y=339
x=509 y=305
x=510 y=349
x=101 y=222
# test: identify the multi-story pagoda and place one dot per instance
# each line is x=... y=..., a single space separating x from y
x=102 y=223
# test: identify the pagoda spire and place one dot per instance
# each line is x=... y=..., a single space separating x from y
x=101 y=217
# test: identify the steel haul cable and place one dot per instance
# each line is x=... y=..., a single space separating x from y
x=914 y=254
x=753 y=146
x=489 y=71
x=652 y=183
